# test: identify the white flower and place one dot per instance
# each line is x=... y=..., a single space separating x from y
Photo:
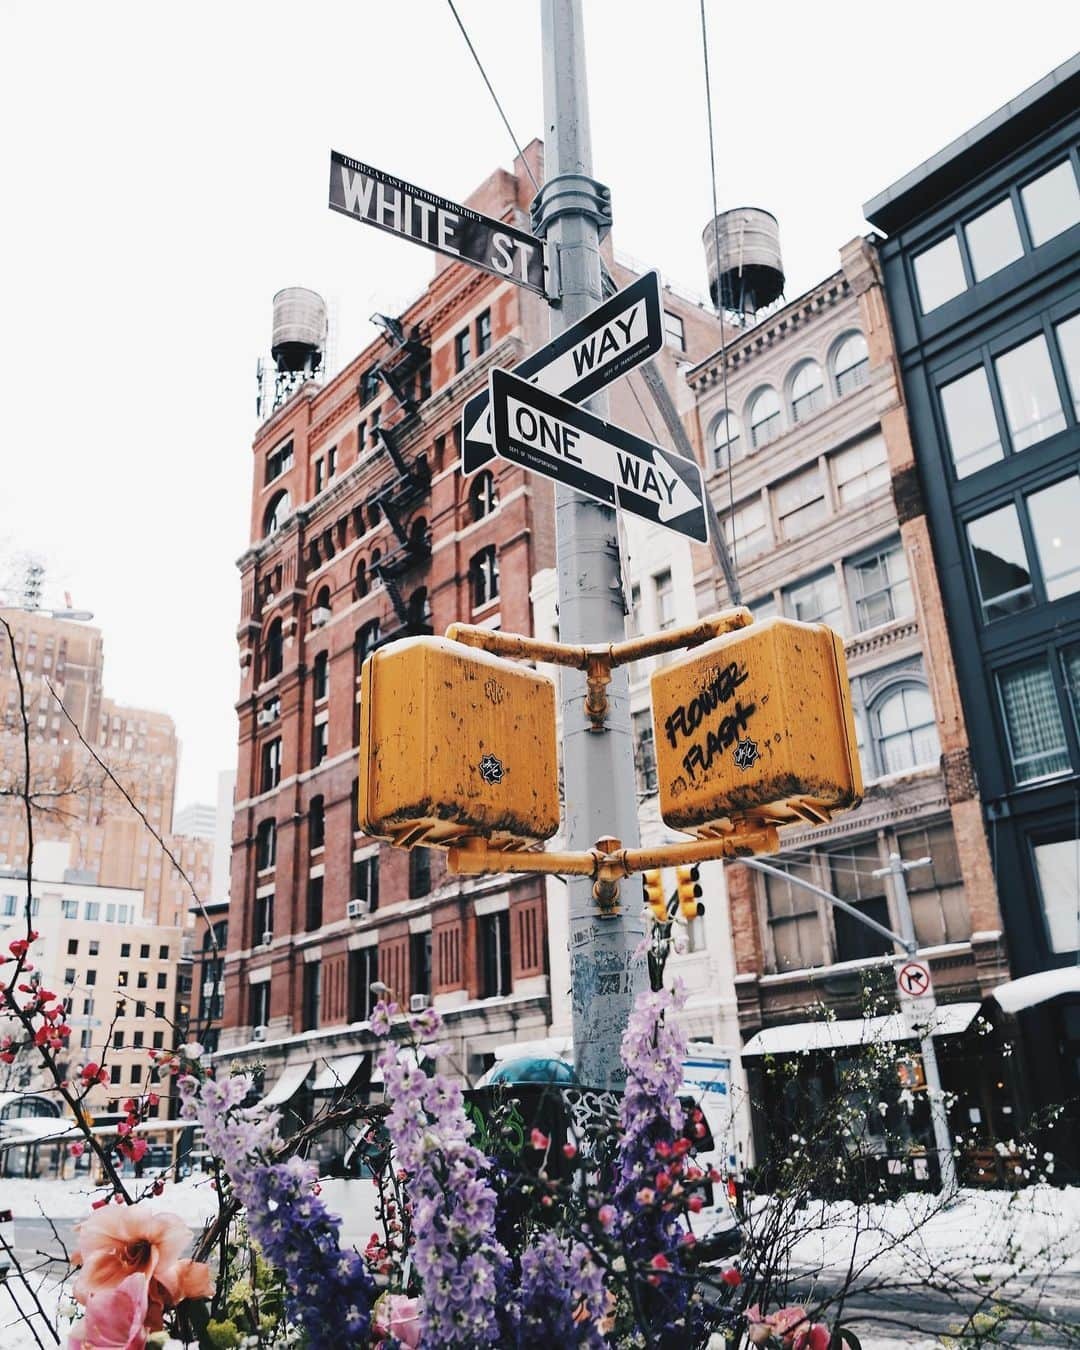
x=193 y=1051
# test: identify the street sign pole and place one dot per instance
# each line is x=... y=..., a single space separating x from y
x=601 y=798
x=939 y=1114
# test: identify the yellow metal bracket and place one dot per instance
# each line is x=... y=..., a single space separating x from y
x=598 y=661
x=608 y=863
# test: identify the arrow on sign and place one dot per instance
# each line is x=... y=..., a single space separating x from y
x=618 y=335
x=550 y=436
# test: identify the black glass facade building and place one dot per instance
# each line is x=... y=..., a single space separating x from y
x=982 y=273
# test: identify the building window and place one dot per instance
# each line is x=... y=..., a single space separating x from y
x=993 y=239
x=1068 y=340
x=361 y=579
x=420 y=963
x=163 y=979
x=484 y=576
x=279 y=461
x=807 y=392
x=800 y=503
x=461 y=350
x=69 y=909
x=1070 y=669
x=936 y=890
x=316 y=824
x=746 y=529
x=277 y=512
x=644 y=753
x=365 y=881
x=73 y=943
x=320 y=742
x=793 y=919
x=1054 y=514
x=764 y=418
x=419 y=873
x=331 y=462
x=1033 y=722
x=263 y=921
x=906 y=732
x=271 y=765
x=483 y=495
x=320 y=676
x=1057 y=868
x=1051 y=203
x=851 y=364
x=853 y=880
x=259 y=1003
x=861 y=470
x=265 y=845
x=1029 y=393
x=92 y=911
x=483 y=334
x=312 y=995
x=369 y=385
x=970 y=423
x=494 y=943
x=724 y=439
x=664 y=597
x=141 y=981
x=314 y=916
x=1002 y=570
x=674 y=331
x=816 y=601
x=273 y=651
x=363 y=973
x=318 y=476
x=163 y=952
x=881 y=588
x=367 y=639
x=939 y=274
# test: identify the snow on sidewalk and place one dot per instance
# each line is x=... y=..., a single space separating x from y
x=192 y=1199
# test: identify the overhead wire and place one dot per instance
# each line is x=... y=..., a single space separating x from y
x=494 y=96
x=736 y=598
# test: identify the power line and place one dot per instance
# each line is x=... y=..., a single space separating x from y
x=491 y=91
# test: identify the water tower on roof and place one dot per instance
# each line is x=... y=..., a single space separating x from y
x=742 y=254
x=297 y=344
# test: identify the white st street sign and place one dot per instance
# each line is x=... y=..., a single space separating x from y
x=391 y=204
x=549 y=436
x=621 y=333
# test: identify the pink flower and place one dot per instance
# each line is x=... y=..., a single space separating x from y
x=399 y=1317
x=115 y=1318
x=815 y=1337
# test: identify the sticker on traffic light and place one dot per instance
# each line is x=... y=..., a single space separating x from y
x=652 y=883
x=690 y=906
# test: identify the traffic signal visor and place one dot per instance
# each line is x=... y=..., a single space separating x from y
x=453 y=742
x=690 y=906
x=756 y=725
x=652 y=882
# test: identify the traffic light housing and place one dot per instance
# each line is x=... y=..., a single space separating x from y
x=756 y=726
x=652 y=883
x=455 y=742
x=687 y=880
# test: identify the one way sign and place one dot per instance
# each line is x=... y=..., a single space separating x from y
x=627 y=329
x=546 y=434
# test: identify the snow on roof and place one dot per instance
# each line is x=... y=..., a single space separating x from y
x=800 y=1038
x=1030 y=990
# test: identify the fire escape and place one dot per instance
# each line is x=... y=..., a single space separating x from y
x=406 y=372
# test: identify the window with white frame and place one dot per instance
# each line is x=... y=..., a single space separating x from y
x=764 y=418
x=724 y=439
x=644 y=753
x=860 y=470
x=799 y=502
x=807 y=392
x=664 y=596
x=792 y=915
x=674 y=331
x=746 y=529
x=816 y=601
x=881 y=588
x=905 y=729
x=851 y=364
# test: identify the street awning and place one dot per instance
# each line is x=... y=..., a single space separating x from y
x=1030 y=990
x=336 y=1074
x=288 y=1085
x=801 y=1038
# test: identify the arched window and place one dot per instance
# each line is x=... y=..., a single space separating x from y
x=419 y=539
x=851 y=364
x=273 y=651
x=483 y=495
x=764 y=418
x=361 y=579
x=484 y=576
x=724 y=439
x=367 y=639
x=265 y=845
x=322 y=599
x=276 y=513
x=419 y=611
x=807 y=391
x=320 y=676
x=374 y=577
x=904 y=729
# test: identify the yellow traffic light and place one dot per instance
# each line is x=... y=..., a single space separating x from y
x=652 y=882
x=455 y=742
x=756 y=726
x=690 y=906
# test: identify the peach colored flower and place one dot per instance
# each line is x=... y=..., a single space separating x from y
x=399 y=1316
x=115 y=1317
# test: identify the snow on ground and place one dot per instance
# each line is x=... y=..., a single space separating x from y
x=192 y=1199
x=981 y=1232
x=17 y=1306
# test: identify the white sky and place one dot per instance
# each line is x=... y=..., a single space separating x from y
x=164 y=170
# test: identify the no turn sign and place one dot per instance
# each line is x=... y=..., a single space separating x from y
x=913 y=980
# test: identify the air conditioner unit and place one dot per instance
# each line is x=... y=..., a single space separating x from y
x=418 y=1002
x=265 y=716
x=319 y=617
x=267 y=938
x=258 y=1033
x=358 y=909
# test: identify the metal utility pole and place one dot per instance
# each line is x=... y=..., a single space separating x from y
x=939 y=1115
x=598 y=766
